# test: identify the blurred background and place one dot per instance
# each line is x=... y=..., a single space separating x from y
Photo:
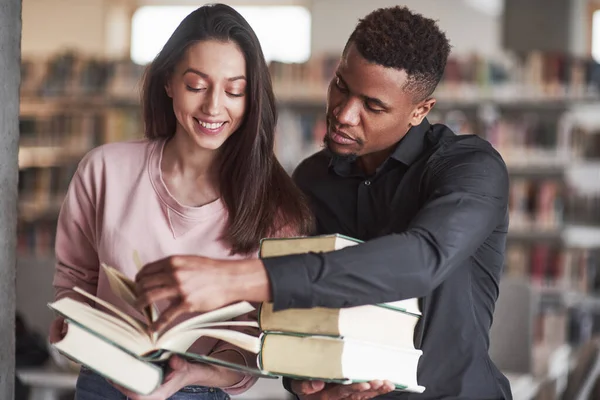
x=523 y=74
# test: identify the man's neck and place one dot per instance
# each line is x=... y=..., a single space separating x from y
x=369 y=163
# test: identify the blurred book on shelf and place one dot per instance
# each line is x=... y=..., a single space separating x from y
x=554 y=270
x=72 y=74
x=536 y=204
x=538 y=76
x=69 y=105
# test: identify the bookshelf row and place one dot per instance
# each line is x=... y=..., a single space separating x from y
x=536 y=76
x=468 y=79
x=71 y=104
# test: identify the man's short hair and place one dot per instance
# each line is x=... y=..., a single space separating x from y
x=399 y=38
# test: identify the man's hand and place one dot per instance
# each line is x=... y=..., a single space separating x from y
x=199 y=284
x=318 y=390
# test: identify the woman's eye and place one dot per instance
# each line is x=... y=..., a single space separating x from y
x=235 y=94
x=193 y=89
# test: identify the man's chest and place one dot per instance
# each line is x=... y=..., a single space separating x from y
x=364 y=208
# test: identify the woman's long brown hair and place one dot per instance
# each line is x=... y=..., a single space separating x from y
x=260 y=196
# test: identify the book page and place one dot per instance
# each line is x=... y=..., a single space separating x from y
x=152 y=311
x=252 y=324
x=222 y=314
x=130 y=320
x=182 y=341
x=124 y=288
x=103 y=325
x=137 y=260
x=121 y=285
x=210 y=325
x=110 y=319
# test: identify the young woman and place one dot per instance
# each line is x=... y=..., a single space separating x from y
x=205 y=182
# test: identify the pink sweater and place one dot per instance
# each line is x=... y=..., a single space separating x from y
x=117 y=203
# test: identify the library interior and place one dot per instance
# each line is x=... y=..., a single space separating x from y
x=524 y=75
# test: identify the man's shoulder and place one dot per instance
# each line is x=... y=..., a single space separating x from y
x=448 y=145
x=467 y=162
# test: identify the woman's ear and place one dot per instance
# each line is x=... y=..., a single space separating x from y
x=168 y=87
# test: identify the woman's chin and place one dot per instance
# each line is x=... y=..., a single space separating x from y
x=209 y=142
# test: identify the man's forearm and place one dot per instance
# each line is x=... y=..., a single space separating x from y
x=250 y=282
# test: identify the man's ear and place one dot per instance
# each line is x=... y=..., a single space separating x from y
x=421 y=111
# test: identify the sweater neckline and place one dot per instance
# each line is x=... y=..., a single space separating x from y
x=206 y=211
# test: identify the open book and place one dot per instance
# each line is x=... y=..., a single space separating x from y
x=124 y=349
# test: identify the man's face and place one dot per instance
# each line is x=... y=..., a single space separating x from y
x=368 y=110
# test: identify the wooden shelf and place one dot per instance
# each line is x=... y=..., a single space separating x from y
x=535 y=235
x=47 y=156
x=40 y=106
x=32 y=210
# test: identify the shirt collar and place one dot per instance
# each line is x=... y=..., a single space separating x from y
x=411 y=145
x=407 y=151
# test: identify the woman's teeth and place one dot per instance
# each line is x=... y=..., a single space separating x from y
x=214 y=125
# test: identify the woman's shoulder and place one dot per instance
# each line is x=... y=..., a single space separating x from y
x=117 y=155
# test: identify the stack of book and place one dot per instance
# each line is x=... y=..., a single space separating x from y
x=340 y=345
x=355 y=344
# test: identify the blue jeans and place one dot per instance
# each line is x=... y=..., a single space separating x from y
x=91 y=386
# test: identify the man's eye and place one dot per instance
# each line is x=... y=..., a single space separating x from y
x=338 y=83
x=373 y=108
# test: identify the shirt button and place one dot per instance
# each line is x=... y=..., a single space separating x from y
x=367 y=183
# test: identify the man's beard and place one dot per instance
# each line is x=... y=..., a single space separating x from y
x=336 y=156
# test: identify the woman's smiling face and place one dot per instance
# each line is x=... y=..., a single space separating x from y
x=208 y=88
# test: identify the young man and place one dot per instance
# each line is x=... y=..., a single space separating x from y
x=432 y=207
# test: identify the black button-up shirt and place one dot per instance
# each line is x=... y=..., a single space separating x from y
x=435 y=218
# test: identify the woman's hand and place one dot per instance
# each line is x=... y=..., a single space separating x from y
x=58 y=330
x=182 y=374
x=59 y=327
